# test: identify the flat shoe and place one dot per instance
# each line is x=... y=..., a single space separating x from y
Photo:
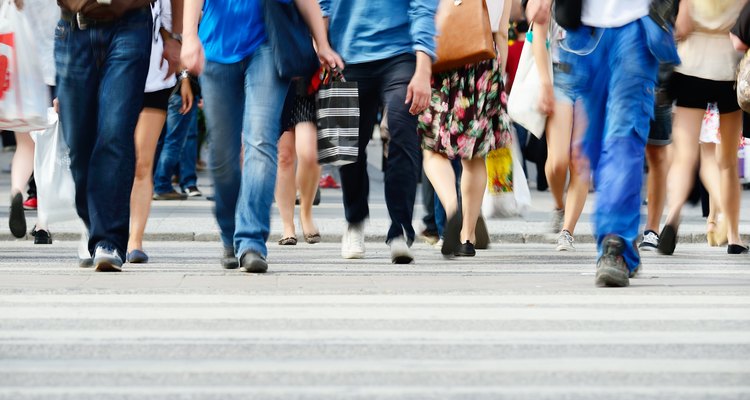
x=137 y=257
x=451 y=236
x=312 y=238
x=288 y=241
x=737 y=249
x=17 y=219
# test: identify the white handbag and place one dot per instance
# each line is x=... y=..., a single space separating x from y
x=523 y=102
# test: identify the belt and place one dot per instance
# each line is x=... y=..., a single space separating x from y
x=83 y=22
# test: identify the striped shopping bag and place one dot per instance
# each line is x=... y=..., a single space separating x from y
x=337 y=104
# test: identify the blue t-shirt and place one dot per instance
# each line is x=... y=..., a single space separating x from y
x=231 y=30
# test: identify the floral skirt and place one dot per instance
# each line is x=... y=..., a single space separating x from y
x=468 y=115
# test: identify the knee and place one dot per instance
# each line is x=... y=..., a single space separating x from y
x=656 y=156
x=727 y=163
x=143 y=169
x=286 y=157
x=558 y=165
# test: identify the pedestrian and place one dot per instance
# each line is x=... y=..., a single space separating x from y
x=392 y=64
x=102 y=58
x=243 y=97
x=44 y=15
x=298 y=145
x=159 y=85
x=564 y=131
x=707 y=74
x=618 y=98
x=466 y=119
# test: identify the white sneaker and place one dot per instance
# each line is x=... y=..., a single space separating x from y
x=353 y=241
x=107 y=259
x=400 y=253
x=650 y=241
x=558 y=217
x=439 y=244
x=565 y=242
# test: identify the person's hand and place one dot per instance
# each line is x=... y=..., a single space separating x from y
x=418 y=93
x=171 y=55
x=186 y=91
x=538 y=11
x=56 y=105
x=329 y=58
x=192 y=55
x=19 y=4
x=547 y=99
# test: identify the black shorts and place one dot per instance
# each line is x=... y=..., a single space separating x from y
x=299 y=107
x=158 y=100
x=692 y=92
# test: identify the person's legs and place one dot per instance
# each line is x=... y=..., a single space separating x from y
x=264 y=97
x=657 y=157
x=174 y=144
x=21 y=169
x=731 y=124
x=580 y=174
x=187 y=172
x=711 y=178
x=559 y=132
x=308 y=173
x=150 y=124
x=685 y=132
x=224 y=98
x=428 y=203
x=473 y=183
x=286 y=189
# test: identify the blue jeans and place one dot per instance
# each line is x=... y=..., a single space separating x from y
x=385 y=82
x=177 y=129
x=615 y=73
x=101 y=75
x=242 y=104
x=186 y=168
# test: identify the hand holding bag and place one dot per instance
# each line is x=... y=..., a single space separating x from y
x=337 y=104
x=290 y=40
x=464 y=34
x=523 y=102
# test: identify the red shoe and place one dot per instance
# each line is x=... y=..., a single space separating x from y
x=30 y=204
x=327 y=182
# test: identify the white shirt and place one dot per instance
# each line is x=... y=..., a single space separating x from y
x=495 y=8
x=43 y=16
x=613 y=13
x=161 y=11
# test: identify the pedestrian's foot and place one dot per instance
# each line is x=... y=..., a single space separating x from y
x=192 y=191
x=107 y=258
x=253 y=262
x=353 y=241
x=17 y=219
x=611 y=270
x=482 y=234
x=173 y=195
x=31 y=203
x=668 y=239
x=228 y=259
x=558 y=217
x=288 y=241
x=41 y=236
x=85 y=262
x=565 y=241
x=400 y=252
x=650 y=241
x=466 y=250
x=451 y=236
x=737 y=249
x=430 y=237
x=137 y=257
x=312 y=238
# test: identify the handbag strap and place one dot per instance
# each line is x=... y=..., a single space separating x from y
x=328 y=74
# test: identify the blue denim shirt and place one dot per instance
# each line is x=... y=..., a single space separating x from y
x=371 y=30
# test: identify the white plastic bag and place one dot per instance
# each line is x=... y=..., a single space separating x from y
x=523 y=101
x=56 y=191
x=513 y=203
x=24 y=97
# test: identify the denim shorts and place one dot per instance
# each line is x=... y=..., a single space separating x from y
x=660 y=133
x=562 y=83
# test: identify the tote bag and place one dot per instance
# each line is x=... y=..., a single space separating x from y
x=464 y=34
x=523 y=102
x=337 y=114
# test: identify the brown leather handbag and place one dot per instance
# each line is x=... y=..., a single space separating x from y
x=464 y=34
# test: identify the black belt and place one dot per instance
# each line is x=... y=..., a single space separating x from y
x=83 y=22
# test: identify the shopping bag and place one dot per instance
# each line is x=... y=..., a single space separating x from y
x=523 y=101
x=507 y=193
x=24 y=97
x=337 y=112
x=56 y=192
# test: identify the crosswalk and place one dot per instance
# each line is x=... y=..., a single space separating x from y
x=516 y=322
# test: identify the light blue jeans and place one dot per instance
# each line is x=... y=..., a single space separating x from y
x=242 y=105
x=614 y=71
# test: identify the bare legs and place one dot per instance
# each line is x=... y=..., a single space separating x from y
x=658 y=168
x=147 y=131
x=303 y=143
x=709 y=173
x=22 y=165
x=686 y=128
x=730 y=184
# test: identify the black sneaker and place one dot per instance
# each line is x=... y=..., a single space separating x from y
x=466 y=250
x=253 y=262
x=611 y=270
x=668 y=240
x=228 y=259
x=17 y=219
x=41 y=236
x=192 y=191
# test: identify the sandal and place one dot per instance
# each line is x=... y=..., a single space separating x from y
x=711 y=233
x=288 y=241
x=312 y=238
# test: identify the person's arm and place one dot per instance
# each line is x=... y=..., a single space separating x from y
x=422 y=30
x=683 y=26
x=501 y=36
x=19 y=4
x=311 y=13
x=177 y=10
x=192 y=55
x=738 y=44
x=740 y=32
x=541 y=58
x=171 y=51
x=538 y=11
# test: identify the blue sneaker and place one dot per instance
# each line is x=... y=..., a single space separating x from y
x=107 y=259
x=137 y=257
